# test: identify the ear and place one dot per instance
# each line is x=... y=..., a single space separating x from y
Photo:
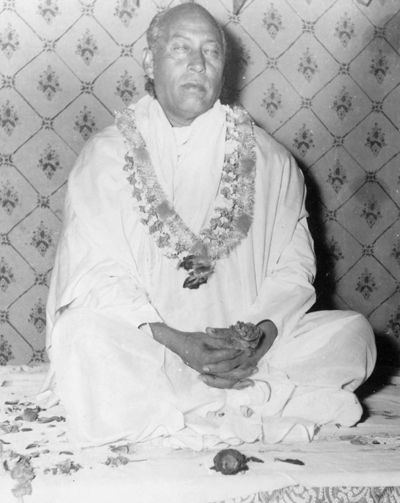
x=148 y=63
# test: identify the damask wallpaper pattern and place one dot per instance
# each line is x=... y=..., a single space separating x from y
x=322 y=76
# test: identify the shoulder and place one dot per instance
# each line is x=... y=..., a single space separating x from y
x=102 y=153
x=108 y=142
x=100 y=165
x=274 y=156
x=277 y=169
x=271 y=149
x=267 y=147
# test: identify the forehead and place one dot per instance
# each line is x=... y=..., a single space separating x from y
x=192 y=23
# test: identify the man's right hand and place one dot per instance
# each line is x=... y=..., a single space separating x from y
x=197 y=349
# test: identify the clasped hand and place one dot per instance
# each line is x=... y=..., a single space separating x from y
x=220 y=365
x=211 y=353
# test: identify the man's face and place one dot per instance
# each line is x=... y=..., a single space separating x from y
x=188 y=66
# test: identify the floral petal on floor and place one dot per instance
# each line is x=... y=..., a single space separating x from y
x=346 y=465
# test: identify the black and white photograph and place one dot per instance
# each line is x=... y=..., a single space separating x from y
x=200 y=251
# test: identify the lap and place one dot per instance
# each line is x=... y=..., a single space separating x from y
x=115 y=380
x=327 y=348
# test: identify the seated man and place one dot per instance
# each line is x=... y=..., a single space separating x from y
x=179 y=297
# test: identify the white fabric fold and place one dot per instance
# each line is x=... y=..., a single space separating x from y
x=190 y=183
x=110 y=277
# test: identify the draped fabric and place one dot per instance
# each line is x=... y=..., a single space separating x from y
x=110 y=277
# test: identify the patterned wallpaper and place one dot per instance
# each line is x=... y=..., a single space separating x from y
x=322 y=76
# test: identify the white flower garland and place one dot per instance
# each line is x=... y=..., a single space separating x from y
x=233 y=212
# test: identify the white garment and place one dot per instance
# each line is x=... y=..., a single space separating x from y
x=114 y=379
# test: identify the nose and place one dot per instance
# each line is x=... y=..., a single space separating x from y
x=197 y=61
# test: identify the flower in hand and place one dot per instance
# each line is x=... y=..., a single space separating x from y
x=245 y=335
x=252 y=341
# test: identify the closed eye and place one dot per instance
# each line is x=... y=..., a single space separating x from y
x=213 y=51
x=179 y=47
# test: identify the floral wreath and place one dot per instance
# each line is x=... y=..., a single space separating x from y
x=233 y=210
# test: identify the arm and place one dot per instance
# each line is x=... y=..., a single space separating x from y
x=285 y=292
x=94 y=267
x=196 y=349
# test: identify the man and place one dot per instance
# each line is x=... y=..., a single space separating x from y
x=179 y=297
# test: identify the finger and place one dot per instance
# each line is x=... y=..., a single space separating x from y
x=215 y=356
x=217 y=333
x=238 y=373
x=223 y=365
x=218 y=343
x=243 y=384
x=218 y=382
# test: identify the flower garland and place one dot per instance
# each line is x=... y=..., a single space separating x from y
x=233 y=212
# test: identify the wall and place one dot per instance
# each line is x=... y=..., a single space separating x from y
x=322 y=76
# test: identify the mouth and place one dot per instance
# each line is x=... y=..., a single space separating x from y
x=194 y=86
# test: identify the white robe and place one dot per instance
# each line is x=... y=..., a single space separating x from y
x=110 y=277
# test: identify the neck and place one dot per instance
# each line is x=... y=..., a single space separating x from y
x=178 y=121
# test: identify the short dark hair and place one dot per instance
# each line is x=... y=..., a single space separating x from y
x=156 y=28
